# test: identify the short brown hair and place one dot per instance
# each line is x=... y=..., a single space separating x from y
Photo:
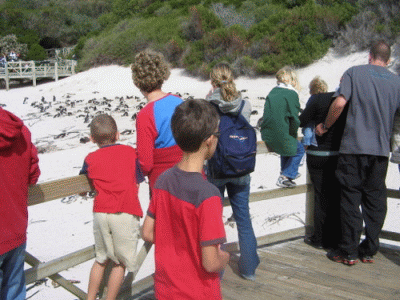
x=149 y=71
x=380 y=50
x=192 y=122
x=103 y=129
x=318 y=86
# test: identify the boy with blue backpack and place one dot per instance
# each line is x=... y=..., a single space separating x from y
x=234 y=160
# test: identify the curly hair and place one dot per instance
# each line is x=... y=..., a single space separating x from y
x=287 y=75
x=149 y=71
x=318 y=86
x=222 y=77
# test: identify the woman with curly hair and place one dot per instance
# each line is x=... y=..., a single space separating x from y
x=280 y=125
x=156 y=147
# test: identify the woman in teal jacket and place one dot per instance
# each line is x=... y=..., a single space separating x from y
x=280 y=125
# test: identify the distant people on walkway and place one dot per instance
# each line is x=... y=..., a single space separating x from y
x=229 y=102
x=3 y=60
x=13 y=56
x=156 y=147
x=322 y=159
x=184 y=219
x=19 y=168
x=280 y=124
x=115 y=175
x=372 y=93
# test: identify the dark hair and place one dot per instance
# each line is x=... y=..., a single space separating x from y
x=380 y=50
x=192 y=122
x=103 y=129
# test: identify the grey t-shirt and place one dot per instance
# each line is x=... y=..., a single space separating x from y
x=373 y=95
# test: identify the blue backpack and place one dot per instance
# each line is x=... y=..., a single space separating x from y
x=235 y=155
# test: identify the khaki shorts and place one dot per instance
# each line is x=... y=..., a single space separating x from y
x=116 y=237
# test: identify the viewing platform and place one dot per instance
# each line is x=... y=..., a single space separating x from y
x=289 y=268
x=33 y=70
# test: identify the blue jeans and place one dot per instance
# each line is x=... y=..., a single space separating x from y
x=290 y=164
x=238 y=193
x=12 y=276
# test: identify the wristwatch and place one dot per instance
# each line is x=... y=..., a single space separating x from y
x=324 y=126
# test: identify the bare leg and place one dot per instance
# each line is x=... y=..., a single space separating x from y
x=96 y=275
x=115 y=280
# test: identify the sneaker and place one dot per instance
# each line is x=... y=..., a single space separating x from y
x=248 y=277
x=367 y=259
x=285 y=182
x=309 y=241
x=339 y=257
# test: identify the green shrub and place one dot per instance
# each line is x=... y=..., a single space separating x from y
x=199 y=22
x=36 y=52
x=121 y=43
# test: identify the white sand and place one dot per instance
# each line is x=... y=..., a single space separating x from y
x=65 y=225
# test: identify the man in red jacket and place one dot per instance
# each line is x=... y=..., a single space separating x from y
x=18 y=169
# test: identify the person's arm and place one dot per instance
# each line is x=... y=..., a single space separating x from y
x=307 y=115
x=395 y=157
x=34 y=170
x=148 y=229
x=335 y=110
x=213 y=258
x=146 y=135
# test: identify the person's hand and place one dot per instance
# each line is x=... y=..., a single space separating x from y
x=320 y=130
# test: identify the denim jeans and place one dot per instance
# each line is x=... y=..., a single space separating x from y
x=238 y=192
x=290 y=164
x=12 y=276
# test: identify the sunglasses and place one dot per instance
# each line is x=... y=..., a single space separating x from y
x=216 y=134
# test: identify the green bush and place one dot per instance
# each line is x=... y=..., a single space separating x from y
x=120 y=44
x=199 y=22
x=36 y=52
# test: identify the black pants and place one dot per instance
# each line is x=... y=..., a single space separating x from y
x=326 y=200
x=362 y=182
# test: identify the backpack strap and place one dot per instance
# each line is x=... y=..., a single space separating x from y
x=241 y=107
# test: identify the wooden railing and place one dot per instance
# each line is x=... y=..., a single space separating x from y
x=70 y=186
x=31 y=70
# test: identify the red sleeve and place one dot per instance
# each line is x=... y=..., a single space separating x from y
x=212 y=231
x=34 y=171
x=146 y=134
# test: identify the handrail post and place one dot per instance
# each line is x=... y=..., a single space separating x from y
x=33 y=73
x=56 y=70
x=7 y=77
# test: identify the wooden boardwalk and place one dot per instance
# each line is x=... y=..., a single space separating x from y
x=294 y=270
x=31 y=70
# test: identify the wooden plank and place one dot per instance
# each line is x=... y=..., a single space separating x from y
x=298 y=260
x=66 y=284
x=390 y=235
x=47 y=269
x=270 y=238
x=57 y=189
x=128 y=287
x=275 y=193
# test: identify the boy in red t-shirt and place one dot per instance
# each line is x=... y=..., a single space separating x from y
x=184 y=219
x=115 y=175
